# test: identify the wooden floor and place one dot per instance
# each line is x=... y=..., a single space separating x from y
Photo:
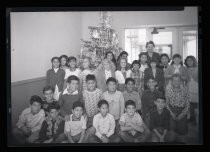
x=193 y=134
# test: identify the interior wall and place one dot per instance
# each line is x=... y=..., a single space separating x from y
x=38 y=36
x=131 y=19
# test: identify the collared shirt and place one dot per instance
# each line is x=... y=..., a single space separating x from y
x=116 y=103
x=56 y=70
x=68 y=73
x=33 y=122
x=108 y=74
x=176 y=68
x=75 y=127
x=104 y=125
x=143 y=67
x=136 y=119
x=120 y=77
x=73 y=93
x=134 y=96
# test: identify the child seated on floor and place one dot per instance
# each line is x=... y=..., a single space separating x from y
x=91 y=97
x=29 y=123
x=48 y=92
x=160 y=122
x=130 y=94
x=132 y=127
x=69 y=96
x=104 y=125
x=76 y=126
x=52 y=130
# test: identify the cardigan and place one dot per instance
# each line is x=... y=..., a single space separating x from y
x=57 y=78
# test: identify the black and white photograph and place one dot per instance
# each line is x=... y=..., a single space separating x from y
x=101 y=77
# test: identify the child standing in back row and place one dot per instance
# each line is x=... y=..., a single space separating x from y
x=122 y=74
x=86 y=69
x=192 y=85
x=72 y=70
x=137 y=76
x=176 y=67
x=55 y=77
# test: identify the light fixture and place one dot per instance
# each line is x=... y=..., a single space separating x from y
x=155 y=30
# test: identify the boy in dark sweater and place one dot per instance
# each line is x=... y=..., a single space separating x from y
x=69 y=96
x=160 y=122
x=52 y=130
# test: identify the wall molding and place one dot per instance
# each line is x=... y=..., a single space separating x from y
x=17 y=83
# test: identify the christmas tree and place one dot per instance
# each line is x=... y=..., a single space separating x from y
x=103 y=38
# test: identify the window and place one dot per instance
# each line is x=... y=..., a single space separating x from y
x=190 y=44
x=163 y=42
x=135 y=40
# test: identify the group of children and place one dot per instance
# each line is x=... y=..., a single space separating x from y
x=146 y=101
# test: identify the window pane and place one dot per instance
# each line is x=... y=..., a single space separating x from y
x=163 y=38
x=135 y=40
x=189 y=43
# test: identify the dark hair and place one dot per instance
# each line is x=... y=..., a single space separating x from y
x=142 y=53
x=194 y=60
x=154 y=60
x=113 y=57
x=166 y=55
x=53 y=105
x=151 y=78
x=55 y=57
x=72 y=58
x=101 y=102
x=77 y=104
x=64 y=56
x=130 y=102
x=111 y=79
x=160 y=96
x=72 y=77
x=150 y=42
x=90 y=77
x=120 y=55
x=46 y=88
x=129 y=79
x=135 y=62
x=35 y=98
x=176 y=56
